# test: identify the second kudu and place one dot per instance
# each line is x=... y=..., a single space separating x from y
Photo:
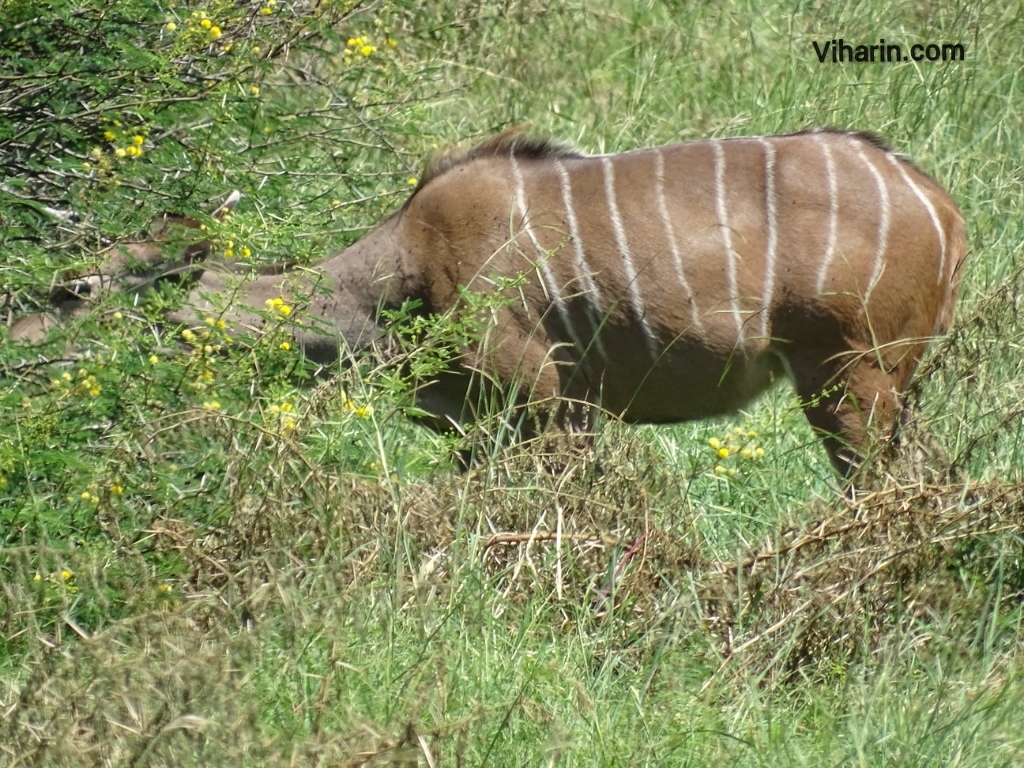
x=662 y=284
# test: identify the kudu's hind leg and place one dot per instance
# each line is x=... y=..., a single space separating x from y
x=851 y=404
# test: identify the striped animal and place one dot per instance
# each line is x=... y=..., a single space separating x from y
x=662 y=284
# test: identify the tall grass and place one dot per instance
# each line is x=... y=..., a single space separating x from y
x=219 y=559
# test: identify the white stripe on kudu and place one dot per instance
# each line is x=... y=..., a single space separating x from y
x=931 y=212
x=547 y=278
x=670 y=235
x=723 y=227
x=627 y=261
x=769 y=256
x=833 y=211
x=583 y=272
x=883 y=226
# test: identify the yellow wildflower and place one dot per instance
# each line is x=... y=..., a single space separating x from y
x=215 y=32
x=719 y=470
x=138 y=140
x=109 y=135
x=285 y=310
x=751 y=434
x=746 y=453
x=266 y=11
x=759 y=452
x=120 y=152
x=413 y=181
x=133 y=151
x=221 y=324
x=211 y=405
x=118 y=316
x=722 y=452
x=285 y=346
x=255 y=90
x=206 y=23
x=153 y=360
x=66 y=574
x=715 y=443
x=366 y=50
x=246 y=253
x=165 y=588
x=171 y=26
x=116 y=489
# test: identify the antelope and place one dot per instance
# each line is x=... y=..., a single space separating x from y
x=660 y=285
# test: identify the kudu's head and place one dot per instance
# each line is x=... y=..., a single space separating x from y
x=169 y=250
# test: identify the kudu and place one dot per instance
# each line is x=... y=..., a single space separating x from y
x=662 y=284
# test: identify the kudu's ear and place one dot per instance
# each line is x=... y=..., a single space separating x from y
x=161 y=230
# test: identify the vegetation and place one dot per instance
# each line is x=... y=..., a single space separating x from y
x=213 y=554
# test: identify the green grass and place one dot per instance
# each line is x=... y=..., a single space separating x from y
x=294 y=578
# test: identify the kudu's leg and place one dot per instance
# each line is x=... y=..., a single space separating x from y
x=851 y=403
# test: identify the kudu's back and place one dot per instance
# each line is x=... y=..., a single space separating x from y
x=678 y=282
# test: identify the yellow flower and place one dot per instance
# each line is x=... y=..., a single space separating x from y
x=731 y=472
x=722 y=452
x=287 y=407
x=205 y=23
x=95 y=391
x=715 y=443
x=86 y=496
x=119 y=152
x=229 y=252
x=255 y=90
x=288 y=424
x=117 y=490
x=364 y=411
x=246 y=253
x=285 y=346
x=221 y=324
x=413 y=181
x=118 y=316
x=133 y=151
x=746 y=453
x=97 y=152
x=285 y=310
x=354 y=42
x=719 y=470
x=211 y=405
x=188 y=336
x=215 y=33
x=209 y=321
x=759 y=452
x=366 y=50
x=138 y=140
x=165 y=588
x=109 y=135
x=171 y=26
x=266 y=11
x=3 y=480
x=751 y=434
x=390 y=42
x=66 y=574
x=153 y=360
x=335 y=203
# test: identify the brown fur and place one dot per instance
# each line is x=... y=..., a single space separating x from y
x=644 y=347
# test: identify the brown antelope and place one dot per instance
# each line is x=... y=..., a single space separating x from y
x=662 y=284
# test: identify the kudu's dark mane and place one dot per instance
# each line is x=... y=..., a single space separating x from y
x=872 y=138
x=511 y=143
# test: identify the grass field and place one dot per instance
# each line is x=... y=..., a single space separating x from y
x=212 y=559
